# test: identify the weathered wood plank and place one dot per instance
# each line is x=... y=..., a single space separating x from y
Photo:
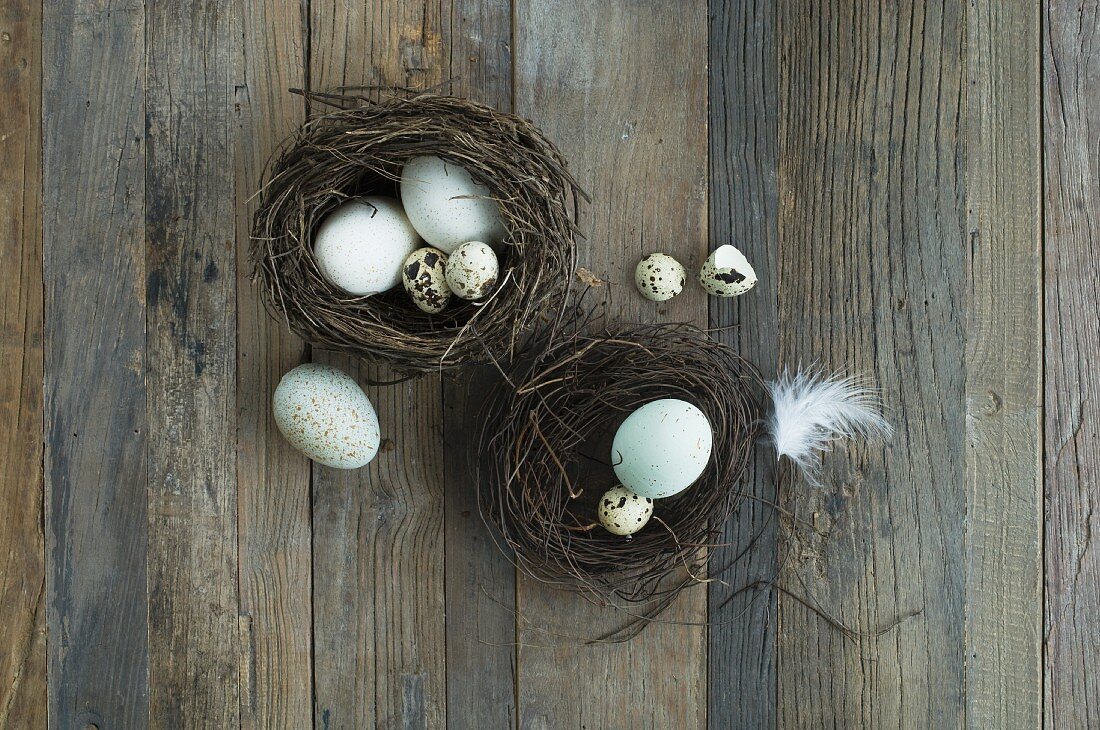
x=191 y=365
x=93 y=123
x=1003 y=368
x=273 y=480
x=872 y=279
x=1071 y=123
x=378 y=532
x=743 y=211
x=622 y=88
x=22 y=549
x=481 y=621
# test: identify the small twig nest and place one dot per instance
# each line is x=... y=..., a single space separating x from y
x=360 y=150
x=546 y=452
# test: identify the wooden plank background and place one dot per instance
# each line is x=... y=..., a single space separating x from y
x=893 y=171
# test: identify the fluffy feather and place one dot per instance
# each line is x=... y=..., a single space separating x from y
x=812 y=411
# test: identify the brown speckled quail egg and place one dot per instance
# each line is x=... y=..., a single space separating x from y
x=324 y=414
x=662 y=448
x=727 y=273
x=622 y=512
x=425 y=279
x=472 y=270
x=659 y=277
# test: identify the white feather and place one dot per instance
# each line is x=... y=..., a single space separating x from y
x=813 y=410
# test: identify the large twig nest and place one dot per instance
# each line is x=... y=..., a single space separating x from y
x=546 y=458
x=360 y=150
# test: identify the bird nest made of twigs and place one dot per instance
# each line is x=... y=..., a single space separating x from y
x=545 y=457
x=359 y=149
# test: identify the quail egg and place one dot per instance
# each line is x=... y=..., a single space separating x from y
x=622 y=512
x=659 y=277
x=727 y=273
x=425 y=279
x=472 y=270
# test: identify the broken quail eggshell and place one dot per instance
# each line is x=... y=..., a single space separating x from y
x=472 y=270
x=662 y=448
x=659 y=277
x=447 y=206
x=324 y=414
x=727 y=273
x=622 y=512
x=425 y=279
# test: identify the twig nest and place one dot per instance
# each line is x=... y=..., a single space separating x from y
x=472 y=270
x=425 y=279
x=622 y=512
x=659 y=277
x=727 y=273
x=546 y=433
x=360 y=150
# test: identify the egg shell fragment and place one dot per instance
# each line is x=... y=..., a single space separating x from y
x=659 y=277
x=622 y=512
x=727 y=273
x=472 y=270
x=324 y=414
x=361 y=245
x=424 y=275
x=662 y=448
x=447 y=206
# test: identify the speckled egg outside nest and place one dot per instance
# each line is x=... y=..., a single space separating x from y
x=727 y=273
x=659 y=277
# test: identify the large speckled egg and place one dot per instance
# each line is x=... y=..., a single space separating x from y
x=662 y=448
x=472 y=270
x=324 y=414
x=622 y=512
x=425 y=279
x=727 y=273
x=361 y=245
x=447 y=206
x=659 y=277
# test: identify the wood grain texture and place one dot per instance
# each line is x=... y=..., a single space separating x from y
x=1071 y=121
x=93 y=122
x=481 y=657
x=872 y=271
x=378 y=532
x=1003 y=368
x=191 y=365
x=743 y=211
x=22 y=547
x=273 y=479
x=621 y=87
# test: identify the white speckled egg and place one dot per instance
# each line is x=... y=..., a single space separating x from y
x=324 y=414
x=425 y=279
x=361 y=245
x=659 y=277
x=472 y=270
x=662 y=448
x=447 y=207
x=727 y=273
x=622 y=512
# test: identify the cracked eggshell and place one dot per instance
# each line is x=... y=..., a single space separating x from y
x=447 y=206
x=622 y=512
x=472 y=270
x=662 y=448
x=727 y=273
x=324 y=414
x=659 y=277
x=425 y=279
x=360 y=245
